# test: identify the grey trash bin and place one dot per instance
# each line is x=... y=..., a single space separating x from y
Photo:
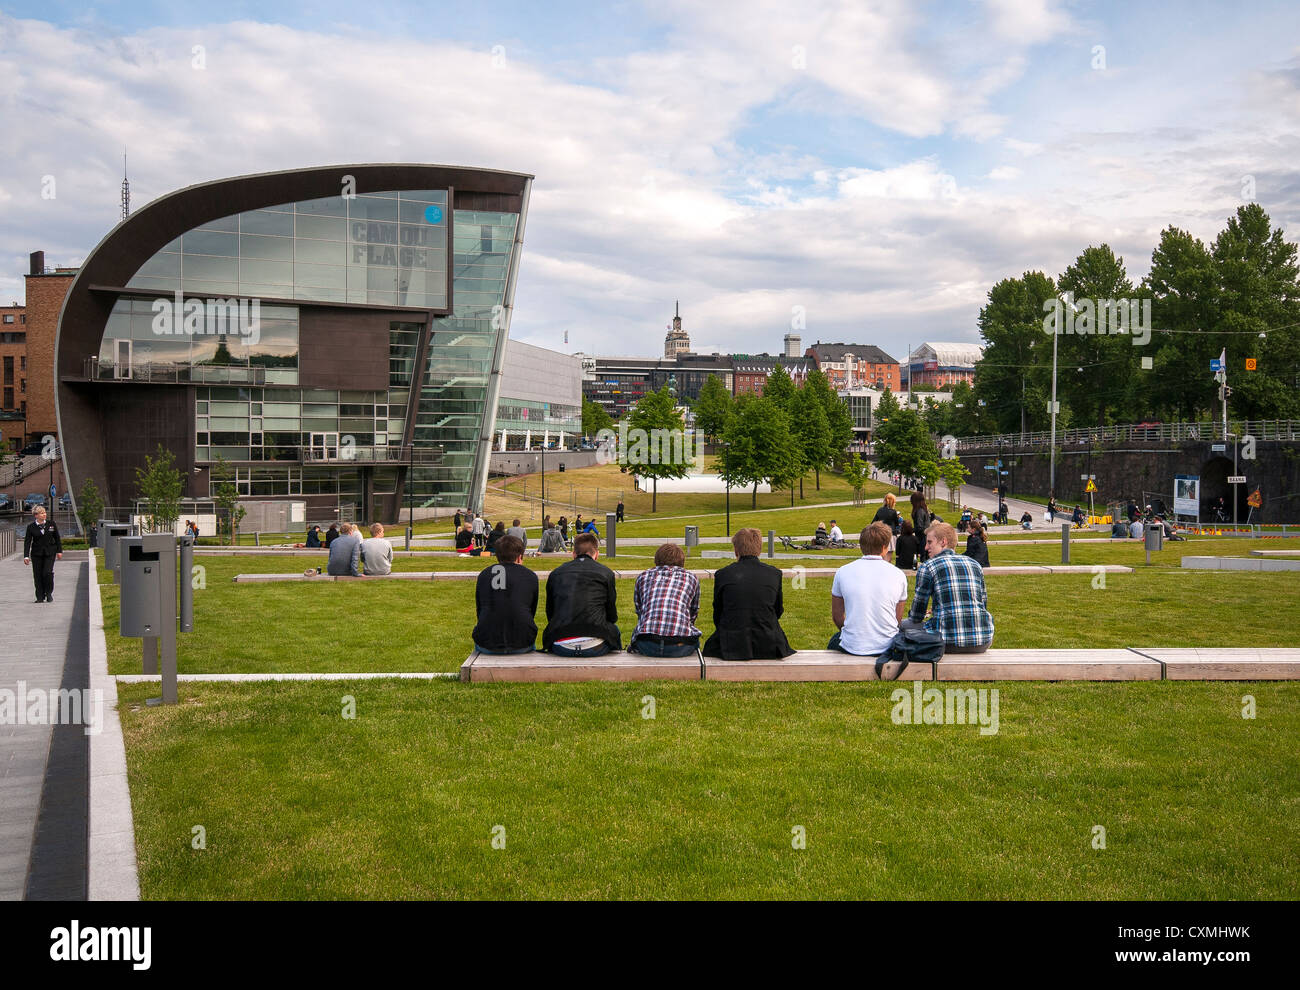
x=1155 y=537
x=692 y=536
x=141 y=599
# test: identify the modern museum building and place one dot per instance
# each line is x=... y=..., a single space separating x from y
x=334 y=335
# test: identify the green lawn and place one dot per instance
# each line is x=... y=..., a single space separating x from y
x=595 y=801
x=417 y=626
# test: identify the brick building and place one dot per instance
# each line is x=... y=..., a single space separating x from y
x=46 y=291
x=943 y=363
x=13 y=360
x=750 y=371
x=856 y=366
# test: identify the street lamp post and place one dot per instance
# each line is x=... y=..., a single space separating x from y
x=543 y=480
x=726 y=460
x=1051 y=483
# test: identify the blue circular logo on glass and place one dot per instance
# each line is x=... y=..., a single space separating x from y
x=433 y=214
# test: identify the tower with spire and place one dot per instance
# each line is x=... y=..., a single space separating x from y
x=677 y=341
x=126 y=189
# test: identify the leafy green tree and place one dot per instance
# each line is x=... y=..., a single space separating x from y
x=1183 y=287
x=780 y=388
x=714 y=407
x=226 y=497
x=1010 y=375
x=658 y=445
x=838 y=417
x=761 y=445
x=954 y=474
x=160 y=484
x=856 y=473
x=594 y=418
x=1259 y=300
x=1095 y=370
x=812 y=434
x=903 y=443
x=90 y=504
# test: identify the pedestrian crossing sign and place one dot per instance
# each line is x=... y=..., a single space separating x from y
x=1092 y=487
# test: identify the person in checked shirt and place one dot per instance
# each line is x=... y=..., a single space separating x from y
x=955 y=584
x=667 y=603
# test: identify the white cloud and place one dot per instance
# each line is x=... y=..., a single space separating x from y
x=1004 y=173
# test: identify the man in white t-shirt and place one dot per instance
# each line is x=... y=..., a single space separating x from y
x=837 y=534
x=868 y=598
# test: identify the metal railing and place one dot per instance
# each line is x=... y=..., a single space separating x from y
x=8 y=542
x=1269 y=429
x=170 y=373
x=353 y=454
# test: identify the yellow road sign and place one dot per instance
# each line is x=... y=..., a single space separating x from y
x=1092 y=486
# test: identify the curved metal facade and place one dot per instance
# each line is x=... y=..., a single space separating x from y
x=361 y=313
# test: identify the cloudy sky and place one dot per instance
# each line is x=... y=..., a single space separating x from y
x=873 y=165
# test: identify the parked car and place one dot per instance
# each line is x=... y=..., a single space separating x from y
x=33 y=499
x=65 y=500
x=38 y=447
x=6 y=503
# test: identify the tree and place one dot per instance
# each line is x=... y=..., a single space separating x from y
x=1095 y=375
x=90 y=504
x=761 y=446
x=658 y=444
x=856 y=472
x=903 y=444
x=780 y=388
x=954 y=474
x=594 y=418
x=714 y=408
x=838 y=417
x=1009 y=376
x=160 y=485
x=227 y=497
x=812 y=434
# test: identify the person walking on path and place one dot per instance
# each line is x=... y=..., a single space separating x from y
x=42 y=546
x=619 y=511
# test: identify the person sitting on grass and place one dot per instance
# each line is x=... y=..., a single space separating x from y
x=977 y=547
x=747 y=606
x=331 y=535
x=1026 y=521
x=1135 y=529
x=581 y=605
x=1119 y=529
x=837 y=534
x=955 y=586
x=820 y=538
x=505 y=601
x=465 y=538
x=519 y=533
x=552 y=541
x=494 y=536
x=345 y=553
x=377 y=552
x=906 y=548
x=667 y=603
x=313 y=537
x=868 y=597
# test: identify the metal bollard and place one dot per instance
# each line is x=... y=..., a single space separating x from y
x=408 y=537
x=771 y=543
x=611 y=535
x=187 y=584
x=1065 y=543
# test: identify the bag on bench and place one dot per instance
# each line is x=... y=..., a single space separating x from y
x=913 y=645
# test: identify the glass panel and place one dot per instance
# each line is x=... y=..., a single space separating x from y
x=365 y=208
x=204 y=241
x=320 y=252
x=162 y=264
x=325 y=276
x=262 y=222
x=324 y=228
x=200 y=267
x=268 y=248
x=332 y=206
x=267 y=272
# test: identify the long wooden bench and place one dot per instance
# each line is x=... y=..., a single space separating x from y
x=815 y=665
x=547 y=668
x=1226 y=664
x=1048 y=665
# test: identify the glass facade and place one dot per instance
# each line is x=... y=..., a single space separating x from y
x=378 y=250
x=387 y=248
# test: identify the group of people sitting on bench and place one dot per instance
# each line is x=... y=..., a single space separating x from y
x=868 y=602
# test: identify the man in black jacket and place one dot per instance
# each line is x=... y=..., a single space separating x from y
x=505 y=597
x=41 y=548
x=747 y=606
x=581 y=611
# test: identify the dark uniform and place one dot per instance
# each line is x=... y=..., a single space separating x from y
x=41 y=545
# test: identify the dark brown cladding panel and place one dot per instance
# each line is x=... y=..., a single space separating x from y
x=468 y=199
x=135 y=419
x=339 y=348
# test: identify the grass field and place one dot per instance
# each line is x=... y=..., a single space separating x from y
x=394 y=626
x=707 y=799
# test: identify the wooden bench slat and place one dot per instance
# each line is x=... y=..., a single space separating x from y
x=1228 y=664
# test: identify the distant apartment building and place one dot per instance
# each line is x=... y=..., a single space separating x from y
x=943 y=363
x=856 y=366
x=751 y=371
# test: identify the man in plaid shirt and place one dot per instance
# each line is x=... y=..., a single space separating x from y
x=667 y=603
x=956 y=585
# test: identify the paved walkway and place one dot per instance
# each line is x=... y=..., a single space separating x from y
x=44 y=781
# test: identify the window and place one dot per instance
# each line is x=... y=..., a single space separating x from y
x=9 y=398
x=23 y=363
x=9 y=317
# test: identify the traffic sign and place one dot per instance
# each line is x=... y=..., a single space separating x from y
x=1092 y=486
x=1216 y=364
x=1237 y=479
x=1250 y=364
x=1217 y=448
x=54 y=492
x=1255 y=500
